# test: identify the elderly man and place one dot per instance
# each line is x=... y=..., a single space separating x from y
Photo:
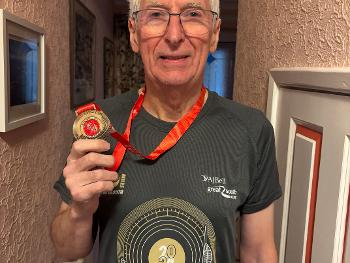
x=188 y=162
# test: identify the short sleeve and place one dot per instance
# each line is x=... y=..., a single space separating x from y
x=266 y=187
x=61 y=188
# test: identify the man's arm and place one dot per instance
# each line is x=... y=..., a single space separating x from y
x=257 y=237
x=71 y=236
x=86 y=179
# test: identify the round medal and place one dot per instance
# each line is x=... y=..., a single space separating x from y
x=91 y=124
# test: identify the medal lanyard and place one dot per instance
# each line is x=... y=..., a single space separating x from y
x=168 y=142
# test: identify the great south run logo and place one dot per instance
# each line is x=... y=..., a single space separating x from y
x=218 y=185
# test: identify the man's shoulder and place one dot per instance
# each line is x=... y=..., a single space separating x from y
x=119 y=103
x=248 y=118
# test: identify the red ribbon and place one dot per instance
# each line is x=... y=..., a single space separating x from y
x=90 y=106
x=168 y=142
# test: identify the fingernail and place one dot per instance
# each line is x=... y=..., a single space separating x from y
x=116 y=181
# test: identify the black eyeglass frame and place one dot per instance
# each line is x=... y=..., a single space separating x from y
x=215 y=14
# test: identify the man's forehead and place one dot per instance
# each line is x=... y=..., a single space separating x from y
x=179 y=3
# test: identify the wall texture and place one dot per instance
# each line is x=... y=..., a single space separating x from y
x=32 y=157
x=283 y=33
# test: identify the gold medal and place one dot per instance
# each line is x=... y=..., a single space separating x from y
x=91 y=124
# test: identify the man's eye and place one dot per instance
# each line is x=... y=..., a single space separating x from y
x=156 y=14
x=193 y=13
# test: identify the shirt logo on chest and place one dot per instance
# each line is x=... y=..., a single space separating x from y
x=218 y=185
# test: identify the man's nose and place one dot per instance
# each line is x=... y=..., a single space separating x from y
x=174 y=33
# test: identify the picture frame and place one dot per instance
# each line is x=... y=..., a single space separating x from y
x=22 y=72
x=83 y=54
x=108 y=67
x=128 y=66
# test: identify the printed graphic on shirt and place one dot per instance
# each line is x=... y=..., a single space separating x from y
x=118 y=186
x=218 y=185
x=166 y=230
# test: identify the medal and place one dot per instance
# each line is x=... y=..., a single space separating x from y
x=92 y=123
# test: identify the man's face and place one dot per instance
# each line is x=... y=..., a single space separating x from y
x=174 y=58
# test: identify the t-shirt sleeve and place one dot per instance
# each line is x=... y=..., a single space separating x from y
x=266 y=187
x=61 y=188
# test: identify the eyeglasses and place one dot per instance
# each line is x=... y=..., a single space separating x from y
x=195 y=22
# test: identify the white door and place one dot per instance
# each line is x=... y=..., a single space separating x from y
x=310 y=110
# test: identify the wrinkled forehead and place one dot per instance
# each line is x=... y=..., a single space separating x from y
x=175 y=4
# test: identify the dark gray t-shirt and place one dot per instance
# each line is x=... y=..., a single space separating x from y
x=182 y=207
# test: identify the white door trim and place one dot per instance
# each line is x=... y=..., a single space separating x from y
x=339 y=239
x=333 y=80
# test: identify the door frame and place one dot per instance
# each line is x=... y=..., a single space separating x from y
x=326 y=80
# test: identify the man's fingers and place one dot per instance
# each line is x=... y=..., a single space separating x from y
x=100 y=175
x=89 y=177
x=82 y=147
x=92 y=160
x=88 y=162
x=84 y=174
x=87 y=192
x=84 y=186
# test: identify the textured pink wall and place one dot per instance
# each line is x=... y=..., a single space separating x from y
x=32 y=157
x=104 y=12
x=283 y=33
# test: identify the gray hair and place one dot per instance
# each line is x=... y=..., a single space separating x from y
x=134 y=5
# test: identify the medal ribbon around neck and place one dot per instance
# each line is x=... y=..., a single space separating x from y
x=168 y=142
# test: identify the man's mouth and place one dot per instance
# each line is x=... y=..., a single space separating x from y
x=174 y=57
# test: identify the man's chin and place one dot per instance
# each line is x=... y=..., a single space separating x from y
x=175 y=80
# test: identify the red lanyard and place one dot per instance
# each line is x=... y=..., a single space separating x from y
x=168 y=142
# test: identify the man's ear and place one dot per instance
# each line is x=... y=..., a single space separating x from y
x=215 y=36
x=134 y=42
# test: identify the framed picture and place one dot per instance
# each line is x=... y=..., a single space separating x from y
x=22 y=72
x=108 y=67
x=128 y=66
x=82 y=46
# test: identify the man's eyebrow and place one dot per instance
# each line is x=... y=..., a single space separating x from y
x=193 y=5
x=151 y=4
x=155 y=4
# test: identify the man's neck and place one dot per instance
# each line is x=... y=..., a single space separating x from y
x=170 y=103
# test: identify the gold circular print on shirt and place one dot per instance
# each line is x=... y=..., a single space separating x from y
x=166 y=230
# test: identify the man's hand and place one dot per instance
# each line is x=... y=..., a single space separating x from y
x=85 y=176
x=86 y=179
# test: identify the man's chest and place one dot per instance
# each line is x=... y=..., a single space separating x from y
x=185 y=201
